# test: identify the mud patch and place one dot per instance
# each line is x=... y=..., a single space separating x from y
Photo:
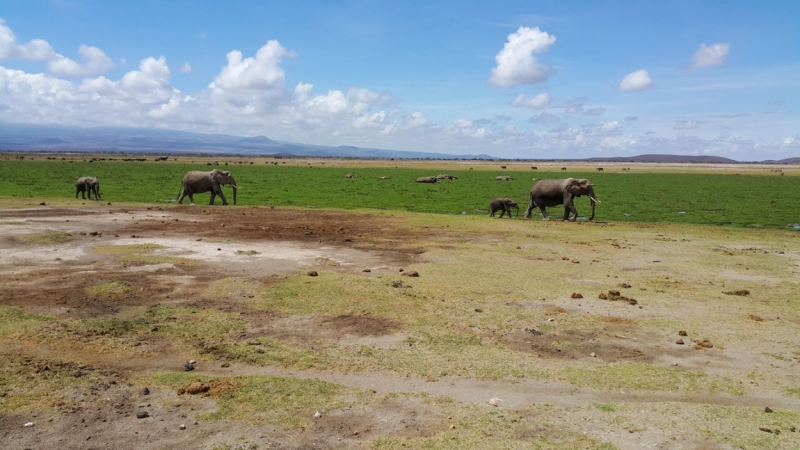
x=360 y=325
x=573 y=345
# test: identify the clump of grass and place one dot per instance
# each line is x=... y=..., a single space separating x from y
x=645 y=377
x=113 y=288
x=15 y=319
x=288 y=402
x=45 y=238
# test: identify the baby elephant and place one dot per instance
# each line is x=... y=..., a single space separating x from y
x=504 y=205
x=87 y=185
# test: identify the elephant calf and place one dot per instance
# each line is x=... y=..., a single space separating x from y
x=504 y=205
x=426 y=180
x=87 y=185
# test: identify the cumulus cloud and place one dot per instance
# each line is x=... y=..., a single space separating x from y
x=35 y=50
x=636 y=81
x=256 y=73
x=710 y=55
x=540 y=101
x=545 y=118
x=185 y=68
x=95 y=62
x=516 y=64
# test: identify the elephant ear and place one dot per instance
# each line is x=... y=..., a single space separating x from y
x=574 y=188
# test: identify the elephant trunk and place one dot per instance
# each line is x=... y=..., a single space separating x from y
x=517 y=214
x=593 y=200
x=235 y=188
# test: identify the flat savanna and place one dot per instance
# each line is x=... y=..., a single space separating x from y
x=367 y=312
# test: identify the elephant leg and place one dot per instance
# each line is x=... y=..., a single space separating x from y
x=213 y=197
x=570 y=208
x=222 y=197
x=544 y=213
x=76 y=193
x=508 y=212
x=191 y=198
x=491 y=213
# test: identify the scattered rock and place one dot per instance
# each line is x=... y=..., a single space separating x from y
x=188 y=366
x=768 y=409
x=565 y=258
x=593 y=355
x=682 y=333
x=197 y=387
x=142 y=414
x=317 y=415
x=494 y=400
x=765 y=429
x=680 y=342
x=756 y=318
x=28 y=424
x=519 y=248
x=740 y=292
x=253 y=342
x=575 y=261
x=42 y=204
x=576 y=295
x=366 y=270
x=182 y=426
x=145 y=391
x=312 y=273
x=402 y=270
x=180 y=391
x=224 y=365
x=793 y=429
x=411 y=273
x=624 y=285
x=478 y=310
x=399 y=284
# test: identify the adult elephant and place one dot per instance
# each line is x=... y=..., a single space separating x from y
x=504 y=205
x=87 y=186
x=546 y=193
x=197 y=182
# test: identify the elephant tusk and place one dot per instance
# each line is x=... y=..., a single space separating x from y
x=594 y=199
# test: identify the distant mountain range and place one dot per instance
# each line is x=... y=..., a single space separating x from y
x=49 y=138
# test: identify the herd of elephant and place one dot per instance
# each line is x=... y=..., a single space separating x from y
x=543 y=194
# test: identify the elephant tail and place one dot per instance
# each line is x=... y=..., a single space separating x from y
x=180 y=192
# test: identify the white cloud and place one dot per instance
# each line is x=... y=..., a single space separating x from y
x=636 y=81
x=515 y=62
x=95 y=62
x=541 y=101
x=185 y=68
x=688 y=125
x=713 y=55
x=257 y=73
x=35 y=50
x=545 y=118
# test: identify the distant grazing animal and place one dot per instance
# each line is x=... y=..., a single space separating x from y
x=502 y=167
x=503 y=178
x=426 y=180
x=87 y=185
x=349 y=175
x=162 y=158
x=445 y=176
x=599 y=169
x=534 y=168
x=563 y=168
x=504 y=205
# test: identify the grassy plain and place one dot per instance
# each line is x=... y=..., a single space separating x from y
x=501 y=342
x=746 y=196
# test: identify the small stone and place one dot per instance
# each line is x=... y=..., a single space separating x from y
x=550 y=319
x=181 y=391
x=219 y=249
x=188 y=367
x=478 y=310
x=317 y=414
x=182 y=426
x=682 y=333
x=412 y=273
x=576 y=295
x=312 y=273
x=224 y=365
x=793 y=429
x=42 y=204
x=519 y=248
x=593 y=355
x=768 y=409
x=680 y=342
x=366 y=270
x=402 y=270
x=142 y=414
x=28 y=424
x=145 y=391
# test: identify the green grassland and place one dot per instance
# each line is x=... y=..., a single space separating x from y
x=746 y=200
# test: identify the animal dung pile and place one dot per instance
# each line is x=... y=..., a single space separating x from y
x=740 y=292
x=577 y=295
x=411 y=273
x=616 y=296
x=312 y=273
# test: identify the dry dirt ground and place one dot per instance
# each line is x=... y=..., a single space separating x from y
x=556 y=368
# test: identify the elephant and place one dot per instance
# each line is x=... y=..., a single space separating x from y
x=546 y=193
x=503 y=178
x=426 y=180
x=197 y=182
x=445 y=176
x=504 y=205
x=87 y=185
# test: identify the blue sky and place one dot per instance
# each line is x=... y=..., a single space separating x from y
x=527 y=79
